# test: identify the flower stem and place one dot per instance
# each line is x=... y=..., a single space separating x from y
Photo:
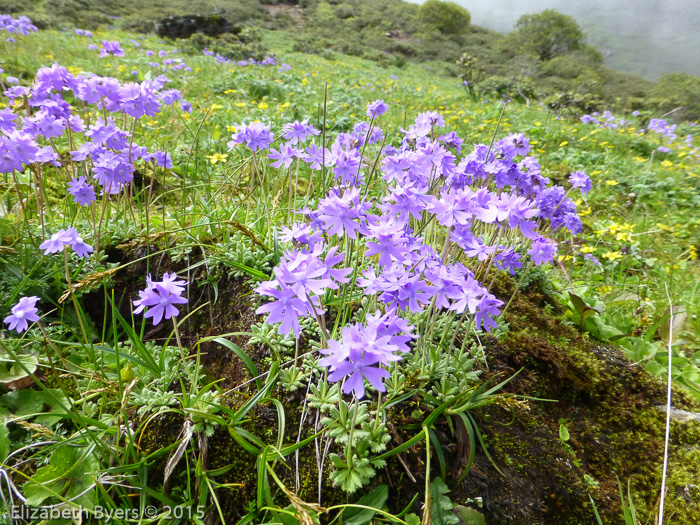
x=182 y=352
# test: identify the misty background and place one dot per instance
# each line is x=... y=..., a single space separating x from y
x=644 y=37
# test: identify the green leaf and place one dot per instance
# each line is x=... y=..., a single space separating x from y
x=442 y=505
x=20 y=403
x=247 y=361
x=12 y=371
x=69 y=473
x=412 y=519
x=375 y=499
x=469 y=516
x=563 y=432
x=4 y=442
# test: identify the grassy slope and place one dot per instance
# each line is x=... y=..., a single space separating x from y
x=620 y=162
x=388 y=33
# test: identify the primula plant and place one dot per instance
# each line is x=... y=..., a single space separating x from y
x=412 y=233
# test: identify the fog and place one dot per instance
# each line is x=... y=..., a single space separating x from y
x=645 y=37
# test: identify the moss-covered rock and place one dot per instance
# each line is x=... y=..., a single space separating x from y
x=609 y=407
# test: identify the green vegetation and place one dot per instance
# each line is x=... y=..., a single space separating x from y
x=447 y=17
x=224 y=416
x=548 y=34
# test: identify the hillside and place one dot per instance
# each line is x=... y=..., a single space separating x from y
x=393 y=32
x=244 y=280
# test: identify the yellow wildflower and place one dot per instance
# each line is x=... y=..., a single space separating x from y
x=217 y=157
x=612 y=256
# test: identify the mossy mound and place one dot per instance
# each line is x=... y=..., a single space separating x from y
x=611 y=410
x=610 y=407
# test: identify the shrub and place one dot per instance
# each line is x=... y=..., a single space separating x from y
x=520 y=89
x=447 y=17
x=241 y=46
x=548 y=34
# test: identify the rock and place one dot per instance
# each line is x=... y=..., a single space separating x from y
x=175 y=27
x=681 y=415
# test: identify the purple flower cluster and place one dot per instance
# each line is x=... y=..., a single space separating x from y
x=161 y=297
x=267 y=61
x=605 y=120
x=301 y=279
x=23 y=312
x=62 y=238
x=364 y=347
x=106 y=151
x=174 y=64
x=499 y=187
x=657 y=125
x=662 y=127
x=20 y=25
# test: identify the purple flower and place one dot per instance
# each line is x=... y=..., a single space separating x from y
x=347 y=166
x=376 y=108
x=160 y=300
x=357 y=368
x=298 y=131
x=314 y=157
x=579 y=179
x=44 y=124
x=163 y=159
x=82 y=192
x=284 y=157
x=170 y=96
x=23 y=312
x=542 y=251
x=430 y=119
x=111 y=47
x=56 y=242
x=301 y=235
x=255 y=135
x=572 y=222
x=138 y=100
x=288 y=308
x=6 y=120
x=415 y=293
x=340 y=214
x=489 y=306
x=62 y=238
x=362 y=348
x=452 y=140
x=80 y=247
x=305 y=274
x=17 y=149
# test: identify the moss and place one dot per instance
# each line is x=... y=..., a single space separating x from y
x=609 y=407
